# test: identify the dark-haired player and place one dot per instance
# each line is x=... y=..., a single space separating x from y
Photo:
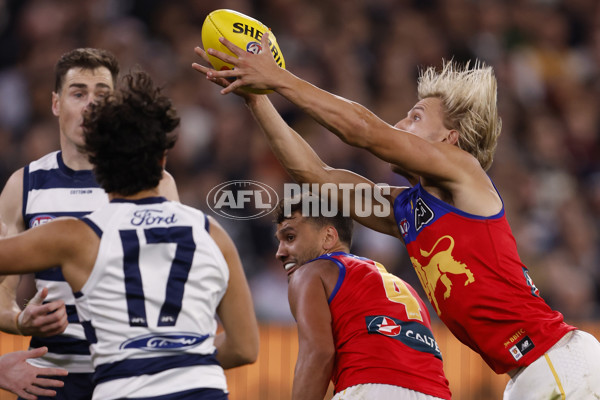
x=60 y=183
x=149 y=275
x=359 y=326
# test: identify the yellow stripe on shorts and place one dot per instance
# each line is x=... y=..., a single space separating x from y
x=563 y=396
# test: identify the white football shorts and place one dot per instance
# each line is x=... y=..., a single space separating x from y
x=569 y=370
x=370 y=391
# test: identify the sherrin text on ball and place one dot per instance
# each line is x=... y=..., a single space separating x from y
x=241 y=30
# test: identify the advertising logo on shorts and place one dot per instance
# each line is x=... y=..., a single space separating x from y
x=242 y=200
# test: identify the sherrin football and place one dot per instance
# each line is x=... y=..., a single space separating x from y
x=241 y=30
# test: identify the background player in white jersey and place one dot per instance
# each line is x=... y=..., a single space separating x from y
x=60 y=184
x=148 y=274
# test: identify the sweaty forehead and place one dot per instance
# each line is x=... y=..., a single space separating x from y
x=90 y=78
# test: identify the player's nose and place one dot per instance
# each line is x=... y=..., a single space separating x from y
x=282 y=252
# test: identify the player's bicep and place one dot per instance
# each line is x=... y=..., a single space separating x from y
x=420 y=157
x=37 y=249
x=308 y=303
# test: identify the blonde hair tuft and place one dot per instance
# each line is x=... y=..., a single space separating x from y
x=469 y=97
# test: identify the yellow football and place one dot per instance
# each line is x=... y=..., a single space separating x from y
x=241 y=30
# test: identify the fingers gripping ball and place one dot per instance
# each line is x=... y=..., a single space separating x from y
x=241 y=30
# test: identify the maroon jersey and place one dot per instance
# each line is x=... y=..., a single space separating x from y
x=475 y=280
x=382 y=330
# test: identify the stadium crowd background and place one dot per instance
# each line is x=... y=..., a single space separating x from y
x=546 y=54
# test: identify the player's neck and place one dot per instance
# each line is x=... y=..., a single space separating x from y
x=338 y=248
x=139 y=195
x=75 y=159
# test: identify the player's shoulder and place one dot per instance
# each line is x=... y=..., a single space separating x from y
x=191 y=213
x=46 y=162
x=320 y=268
x=15 y=181
x=11 y=203
x=320 y=272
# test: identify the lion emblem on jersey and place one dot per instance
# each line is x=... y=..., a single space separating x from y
x=440 y=265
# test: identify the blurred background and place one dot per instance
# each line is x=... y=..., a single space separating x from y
x=546 y=55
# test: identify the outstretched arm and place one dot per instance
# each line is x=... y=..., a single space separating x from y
x=67 y=242
x=25 y=380
x=350 y=121
x=37 y=319
x=305 y=166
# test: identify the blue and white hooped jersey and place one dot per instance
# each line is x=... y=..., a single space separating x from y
x=51 y=190
x=148 y=307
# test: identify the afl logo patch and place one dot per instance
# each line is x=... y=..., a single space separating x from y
x=403 y=225
x=253 y=47
x=40 y=220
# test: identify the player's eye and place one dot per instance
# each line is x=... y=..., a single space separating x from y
x=101 y=95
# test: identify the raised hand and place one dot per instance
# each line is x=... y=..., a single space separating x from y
x=25 y=380
x=219 y=81
x=256 y=71
x=42 y=320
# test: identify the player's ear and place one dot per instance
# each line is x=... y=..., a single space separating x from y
x=55 y=104
x=331 y=238
x=452 y=137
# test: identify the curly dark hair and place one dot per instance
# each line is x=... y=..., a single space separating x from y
x=128 y=133
x=85 y=58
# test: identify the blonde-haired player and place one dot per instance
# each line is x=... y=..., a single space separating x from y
x=451 y=220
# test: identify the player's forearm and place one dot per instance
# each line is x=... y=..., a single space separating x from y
x=8 y=305
x=8 y=322
x=349 y=120
x=292 y=151
x=312 y=376
x=231 y=355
